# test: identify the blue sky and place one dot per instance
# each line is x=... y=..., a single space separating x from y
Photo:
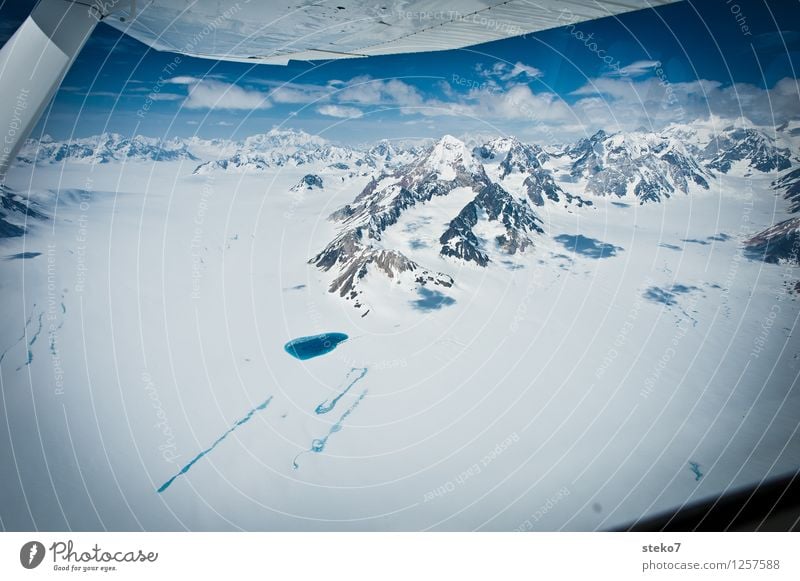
x=675 y=63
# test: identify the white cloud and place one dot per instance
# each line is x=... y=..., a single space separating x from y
x=655 y=101
x=506 y=72
x=165 y=96
x=525 y=70
x=294 y=93
x=635 y=69
x=183 y=80
x=361 y=90
x=506 y=102
x=514 y=104
x=340 y=111
x=615 y=104
x=218 y=95
x=211 y=93
x=367 y=91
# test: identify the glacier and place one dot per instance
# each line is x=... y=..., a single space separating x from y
x=162 y=279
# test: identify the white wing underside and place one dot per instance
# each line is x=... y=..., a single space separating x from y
x=271 y=32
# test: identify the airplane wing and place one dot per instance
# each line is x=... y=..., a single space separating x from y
x=276 y=32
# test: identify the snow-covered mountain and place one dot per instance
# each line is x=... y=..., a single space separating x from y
x=753 y=147
x=779 y=244
x=279 y=148
x=647 y=166
x=275 y=148
x=789 y=184
x=308 y=182
x=652 y=166
x=387 y=153
x=516 y=220
x=506 y=178
x=15 y=212
x=449 y=170
x=256 y=153
x=104 y=148
x=520 y=167
x=493 y=187
x=743 y=149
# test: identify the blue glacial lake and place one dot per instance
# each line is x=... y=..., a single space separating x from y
x=308 y=347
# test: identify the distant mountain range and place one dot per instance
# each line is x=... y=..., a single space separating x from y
x=104 y=148
x=507 y=180
x=495 y=188
x=650 y=165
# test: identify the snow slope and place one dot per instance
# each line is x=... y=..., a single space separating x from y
x=144 y=318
